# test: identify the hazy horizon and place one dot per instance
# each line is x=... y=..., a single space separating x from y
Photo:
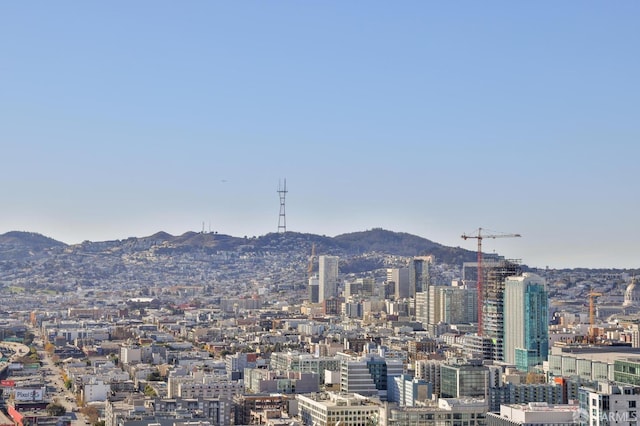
x=121 y=119
x=486 y=233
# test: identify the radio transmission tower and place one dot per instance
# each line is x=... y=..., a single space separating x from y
x=282 y=219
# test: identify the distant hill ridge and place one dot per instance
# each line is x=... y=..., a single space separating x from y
x=18 y=245
x=32 y=239
x=15 y=243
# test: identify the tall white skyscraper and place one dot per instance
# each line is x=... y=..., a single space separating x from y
x=328 y=277
x=422 y=307
x=400 y=279
x=526 y=325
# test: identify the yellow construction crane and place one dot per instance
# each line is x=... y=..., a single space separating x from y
x=479 y=236
x=592 y=314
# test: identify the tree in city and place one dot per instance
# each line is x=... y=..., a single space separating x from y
x=114 y=359
x=33 y=354
x=154 y=376
x=28 y=338
x=149 y=391
x=91 y=413
x=55 y=410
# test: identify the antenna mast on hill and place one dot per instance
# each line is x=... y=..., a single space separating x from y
x=282 y=219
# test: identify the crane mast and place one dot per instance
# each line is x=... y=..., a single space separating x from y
x=592 y=315
x=480 y=279
x=312 y=259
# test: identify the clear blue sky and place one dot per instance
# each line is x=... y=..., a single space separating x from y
x=122 y=118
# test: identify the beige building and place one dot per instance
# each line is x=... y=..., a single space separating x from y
x=343 y=409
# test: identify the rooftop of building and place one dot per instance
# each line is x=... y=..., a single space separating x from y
x=543 y=406
x=337 y=399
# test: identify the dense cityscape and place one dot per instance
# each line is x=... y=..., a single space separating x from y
x=205 y=329
x=146 y=145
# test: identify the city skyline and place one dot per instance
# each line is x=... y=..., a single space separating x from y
x=122 y=120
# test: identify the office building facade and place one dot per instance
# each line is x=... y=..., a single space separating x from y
x=400 y=279
x=526 y=335
x=327 y=277
x=493 y=305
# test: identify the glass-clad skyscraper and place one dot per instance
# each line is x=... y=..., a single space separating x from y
x=526 y=324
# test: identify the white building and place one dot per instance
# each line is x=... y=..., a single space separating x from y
x=535 y=413
x=369 y=375
x=327 y=277
x=609 y=404
x=408 y=391
x=130 y=354
x=95 y=390
x=422 y=307
x=183 y=384
x=331 y=409
x=444 y=412
x=224 y=389
x=400 y=279
x=526 y=332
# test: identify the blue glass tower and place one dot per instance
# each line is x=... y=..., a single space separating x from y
x=526 y=325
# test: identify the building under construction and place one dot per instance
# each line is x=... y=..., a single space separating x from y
x=493 y=305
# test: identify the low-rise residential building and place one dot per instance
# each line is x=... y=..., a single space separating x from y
x=443 y=412
x=535 y=414
x=258 y=380
x=332 y=409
